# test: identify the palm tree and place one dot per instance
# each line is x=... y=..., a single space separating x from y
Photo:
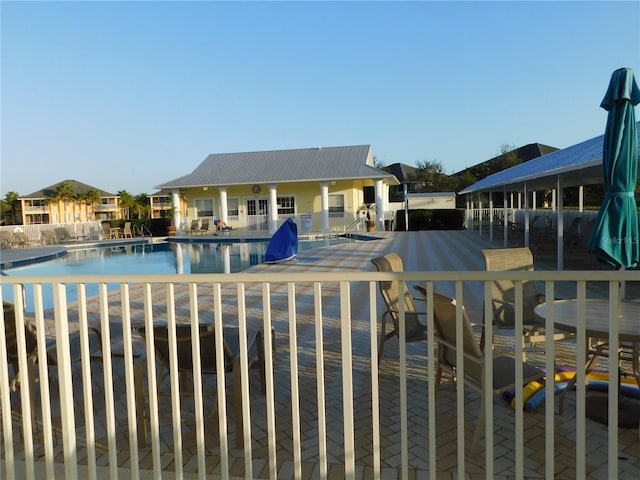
x=92 y=197
x=126 y=202
x=142 y=206
x=64 y=193
x=12 y=199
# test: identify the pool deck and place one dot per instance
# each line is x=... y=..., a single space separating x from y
x=421 y=251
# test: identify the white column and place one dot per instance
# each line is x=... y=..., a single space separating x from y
x=480 y=213
x=175 y=201
x=581 y=208
x=526 y=215
x=324 y=202
x=560 y=224
x=581 y=198
x=379 y=205
x=491 y=215
x=223 y=204
x=405 y=191
x=273 y=208
x=505 y=220
x=533 y=200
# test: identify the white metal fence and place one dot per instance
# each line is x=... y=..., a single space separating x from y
x=93 y=407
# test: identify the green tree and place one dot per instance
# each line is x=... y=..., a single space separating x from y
x=92 y=196
x=430 y=177
x=507 y=158
x=126 y=202
x=64 y=194
x=142 y=206
x=12 y=199
x=377 y=163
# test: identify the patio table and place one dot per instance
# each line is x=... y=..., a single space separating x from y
x=596 y=320
x=597 y=323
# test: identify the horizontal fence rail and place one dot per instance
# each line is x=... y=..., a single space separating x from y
x=300 y=382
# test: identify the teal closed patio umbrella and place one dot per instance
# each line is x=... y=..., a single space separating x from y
x=615 y=235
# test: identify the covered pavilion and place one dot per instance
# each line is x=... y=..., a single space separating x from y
x=574 y=166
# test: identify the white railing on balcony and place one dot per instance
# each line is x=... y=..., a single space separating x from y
x=94 y=408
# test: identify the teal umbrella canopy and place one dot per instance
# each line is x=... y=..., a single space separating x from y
x=615 y=235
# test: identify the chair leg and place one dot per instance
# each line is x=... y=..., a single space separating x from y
x=141 y=412
x=237 y=404
x=383 y=336
x=31 y=373
x=478 y=432
x=438 y=378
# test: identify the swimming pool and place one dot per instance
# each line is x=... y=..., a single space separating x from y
x=153 y=259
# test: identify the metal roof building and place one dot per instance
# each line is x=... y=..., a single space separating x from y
x=283 y=166
x=580 y=164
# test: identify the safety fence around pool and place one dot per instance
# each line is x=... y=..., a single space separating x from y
x=103 y=383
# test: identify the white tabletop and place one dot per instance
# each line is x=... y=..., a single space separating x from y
x=596 y=317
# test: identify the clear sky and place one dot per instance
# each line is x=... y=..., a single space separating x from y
x=128 y=95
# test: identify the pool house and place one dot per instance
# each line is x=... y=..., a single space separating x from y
x=324 y=189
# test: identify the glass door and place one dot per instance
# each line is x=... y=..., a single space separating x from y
x=258 y=214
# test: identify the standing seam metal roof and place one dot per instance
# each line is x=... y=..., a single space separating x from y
x=581 y=162
x=281 y=166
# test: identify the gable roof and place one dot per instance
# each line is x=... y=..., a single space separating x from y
x=78 y=187
x=283 y=166
x=580 y=164
x=525 y=153
x=401 y=171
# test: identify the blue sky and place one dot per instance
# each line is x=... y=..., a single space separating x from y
x=127 y=95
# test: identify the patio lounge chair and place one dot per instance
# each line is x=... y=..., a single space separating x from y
x=106 y=230
x=221 y=226
x=195 y=228
x=31 y=344
x=23 y=239
x=126 y=232
x=204 y=228
x=393 y=292
x=573 y=235
x=208 y=361
x=9 y=240
x=503 y=294
x=48 y=237
x=63 y=235
x=504 y=366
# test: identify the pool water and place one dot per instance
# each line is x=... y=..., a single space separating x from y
x=158 y=259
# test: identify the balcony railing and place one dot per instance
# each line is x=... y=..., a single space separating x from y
x=327 y=399
x=104 y=207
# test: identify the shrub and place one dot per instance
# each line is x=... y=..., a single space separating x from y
x=424 y=219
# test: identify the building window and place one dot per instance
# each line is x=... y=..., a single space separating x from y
x=336 y=205
x=204 y=207
x=396 y=193
x=233 y=207
x=286 y=205
x=369 y=194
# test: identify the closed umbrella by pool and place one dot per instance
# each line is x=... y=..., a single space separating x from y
x=615 y=236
